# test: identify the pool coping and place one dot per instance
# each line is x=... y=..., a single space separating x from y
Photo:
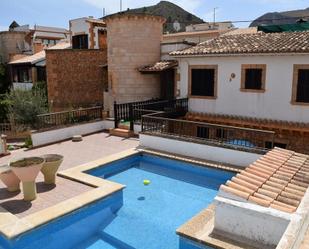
x=200 y=229
x=12 y=226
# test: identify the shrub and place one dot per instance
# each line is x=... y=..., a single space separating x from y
x=25 y=105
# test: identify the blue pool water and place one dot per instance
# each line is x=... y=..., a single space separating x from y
x=151 y=214
x=139 y=217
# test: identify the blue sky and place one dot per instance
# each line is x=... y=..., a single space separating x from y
x=59 y=12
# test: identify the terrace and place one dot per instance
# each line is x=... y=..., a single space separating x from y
x=92 y=175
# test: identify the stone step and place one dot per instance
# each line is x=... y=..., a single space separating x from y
x=121 y=132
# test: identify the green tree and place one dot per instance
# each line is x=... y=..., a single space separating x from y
x=25 y=105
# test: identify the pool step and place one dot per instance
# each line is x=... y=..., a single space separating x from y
x=121 y=132
x=114 y=242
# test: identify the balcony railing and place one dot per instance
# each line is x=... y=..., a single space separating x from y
x=132 y=112
x=161 y=124
x=60 y=119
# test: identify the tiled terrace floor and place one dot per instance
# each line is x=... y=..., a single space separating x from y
x=91 y=148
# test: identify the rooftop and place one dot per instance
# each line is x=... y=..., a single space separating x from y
x=159 y=66
x=256 y=43
x=278 y=180
x=40 y=56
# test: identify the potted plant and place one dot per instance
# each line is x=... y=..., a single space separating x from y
x=8 y=177
x=50 y=167
x=27 y=169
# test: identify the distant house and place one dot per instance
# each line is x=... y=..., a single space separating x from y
x=88 y=33
x=258 y=81
x=23 y=40
x=30 y=69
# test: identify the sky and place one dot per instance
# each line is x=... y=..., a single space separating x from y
x=57 y=13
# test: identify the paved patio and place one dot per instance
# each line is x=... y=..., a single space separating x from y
x=91 y=148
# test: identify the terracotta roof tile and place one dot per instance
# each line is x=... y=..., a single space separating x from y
x=285 y=42
x=159 y=66
x=278 y=180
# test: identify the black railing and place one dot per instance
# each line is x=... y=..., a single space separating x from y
x=132 y=112
x=59 y=119
x=220 y=135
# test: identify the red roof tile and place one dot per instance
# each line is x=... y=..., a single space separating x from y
x=278 y=180
x=285 y=42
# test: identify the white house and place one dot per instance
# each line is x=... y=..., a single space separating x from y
x=254 y=80
x=88 y=33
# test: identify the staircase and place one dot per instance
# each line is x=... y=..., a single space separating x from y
x=121 y=131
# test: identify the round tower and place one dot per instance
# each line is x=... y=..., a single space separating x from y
x=133 y=41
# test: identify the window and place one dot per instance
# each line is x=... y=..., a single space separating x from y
x=203 y=81
x=221 y=133
x=301 y=84
x=268 y=145
x=41 y=74
x=21 y=74
x=202 y=132
x=48 y=42
x=80 y=42
x=253 y=77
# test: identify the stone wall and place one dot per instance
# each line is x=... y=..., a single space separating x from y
x=133 y=41
x=75 y=78
x=10 y=43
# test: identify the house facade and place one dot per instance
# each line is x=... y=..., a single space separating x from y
x=23 y=40
x=258 y=81
x=88 y=33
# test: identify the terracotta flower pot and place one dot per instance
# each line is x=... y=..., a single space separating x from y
x=9 y=178
x=50 y=167
x=27 y=169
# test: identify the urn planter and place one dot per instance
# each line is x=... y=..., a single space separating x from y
x=27 y=169
x=50 y=167
x=8 y=177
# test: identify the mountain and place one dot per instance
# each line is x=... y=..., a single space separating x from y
x=287 y=17
x=173 y=15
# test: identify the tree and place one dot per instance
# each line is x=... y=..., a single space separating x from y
x=4 y=88
x=25 y=105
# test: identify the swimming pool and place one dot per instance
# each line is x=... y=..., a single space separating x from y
x=141 y=216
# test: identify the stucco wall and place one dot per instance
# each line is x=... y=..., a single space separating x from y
x=249 y=223
x=274 y=103
x=52 y=136
x=75 y=78
x=82 y=26
x=133 y=41
x=212 y=153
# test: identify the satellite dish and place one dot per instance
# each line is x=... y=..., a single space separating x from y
x=176 y=26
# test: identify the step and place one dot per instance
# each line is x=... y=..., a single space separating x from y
x=114 y=242
x=124 y=127
x=121 y=132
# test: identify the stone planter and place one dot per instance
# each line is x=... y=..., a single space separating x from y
x=9 y=178
x=27 y=169
x=50 y=167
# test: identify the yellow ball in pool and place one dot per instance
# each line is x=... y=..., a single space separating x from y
x=146 y=182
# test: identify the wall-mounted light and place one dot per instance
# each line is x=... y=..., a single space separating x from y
x=233 y=75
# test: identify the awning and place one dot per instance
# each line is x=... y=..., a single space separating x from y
x=159 y=66
x=284 y=27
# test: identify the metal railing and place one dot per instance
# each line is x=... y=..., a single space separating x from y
x=5 y=128
x=59 y=119
x=132 y=112
x=160 y=123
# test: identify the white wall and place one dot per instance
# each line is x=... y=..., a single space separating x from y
x=212 y=153
x=52 y=136
x=274 y=103
x=249 y=222
x=81 y=26
x=22 y=85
